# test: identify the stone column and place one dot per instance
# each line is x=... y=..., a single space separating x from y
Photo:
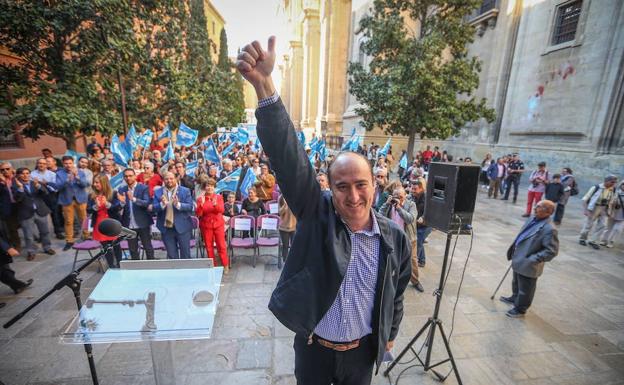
x=335 y=27
x=285 y=86
x=296 y=80
x=311 y=47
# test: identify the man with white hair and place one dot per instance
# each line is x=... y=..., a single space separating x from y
x=227 y=168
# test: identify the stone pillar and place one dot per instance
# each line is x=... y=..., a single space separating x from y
x=311 y=47
x=335 y=27
x=285 y=86
x=295 y=84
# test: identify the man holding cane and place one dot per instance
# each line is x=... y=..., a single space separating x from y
x=341 y=290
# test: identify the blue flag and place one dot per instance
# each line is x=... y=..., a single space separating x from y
x=210 y=153
x=186 y=136
x=355 y=142
x=228 y=149
x=312 y=157
x=257 y=145
x=301 y=137
x=243 y=135
x=191 y=168
x=223 y=137
x=247 y=183
x=166 y=134
x=233 y=137
x=169 y=154
x=313 y=143
x=146 y=138
x=385 y=149
x=117 y=181
x=120 y=154
x=132 y=138
x=229 y=183
x=403 y=161
x=322 y=150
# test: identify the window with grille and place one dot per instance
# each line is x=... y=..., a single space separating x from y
x=9 y=140
x=566 y=22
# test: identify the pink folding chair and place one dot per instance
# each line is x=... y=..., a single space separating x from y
x=88 y=245
x=275 y=195
x=272 y=207
x=241 y=235
x=197 y=240
x=267 y=234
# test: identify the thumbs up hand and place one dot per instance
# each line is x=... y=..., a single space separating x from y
x=255 y=64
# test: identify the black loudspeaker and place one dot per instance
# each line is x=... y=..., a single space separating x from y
x=450 y=196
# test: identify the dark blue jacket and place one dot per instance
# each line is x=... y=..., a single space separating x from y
x=321 y=248
x=182 y=217
x=142 y=217
x=29 y=202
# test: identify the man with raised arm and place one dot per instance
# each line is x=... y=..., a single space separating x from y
x=341 y=290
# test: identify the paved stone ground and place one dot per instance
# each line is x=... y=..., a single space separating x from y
x=573 y=334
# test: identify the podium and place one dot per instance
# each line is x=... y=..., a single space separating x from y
x=154 y=305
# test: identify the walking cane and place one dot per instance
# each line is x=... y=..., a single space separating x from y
x=501 y=282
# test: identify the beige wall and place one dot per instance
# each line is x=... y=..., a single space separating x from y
x=214 y=24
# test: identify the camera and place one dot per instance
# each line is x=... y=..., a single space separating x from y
x=394 y=201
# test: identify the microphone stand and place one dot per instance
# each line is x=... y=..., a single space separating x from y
x=73 y=282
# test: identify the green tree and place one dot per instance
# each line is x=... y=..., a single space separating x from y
x=224 y=62
x=60 y=84
x=420 y=78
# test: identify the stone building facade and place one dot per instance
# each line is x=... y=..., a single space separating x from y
x=314 y=81
x=554 y=72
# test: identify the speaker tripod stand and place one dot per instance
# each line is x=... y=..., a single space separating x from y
x=434 y=323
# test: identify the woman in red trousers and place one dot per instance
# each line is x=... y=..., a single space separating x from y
x=210 y=213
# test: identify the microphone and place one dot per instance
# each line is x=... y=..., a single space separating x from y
x=113 y=228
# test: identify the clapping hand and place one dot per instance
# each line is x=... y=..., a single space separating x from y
x=175 y=200
x=130 y=195
x=121 y=197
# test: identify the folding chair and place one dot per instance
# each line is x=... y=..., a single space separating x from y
x=157 y=243
x=196 y=239
x=275 y=195
x=88 y=245
x=272 y=207
x=241 y=235
x=267 y=234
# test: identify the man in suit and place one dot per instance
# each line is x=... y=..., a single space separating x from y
x=72 y=186
x=135 y=200
x=174 y=206
x=32 y=212
x=7 y=275
x=184 y=180
x=536 y=244
x=7 y=205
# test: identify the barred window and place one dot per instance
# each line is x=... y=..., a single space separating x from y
x=10 y=139
x=487 y=5
x=566 y=22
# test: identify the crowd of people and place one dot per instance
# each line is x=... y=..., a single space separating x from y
x=602 y=204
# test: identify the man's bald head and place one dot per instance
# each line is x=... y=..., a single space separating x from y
x=348 y=159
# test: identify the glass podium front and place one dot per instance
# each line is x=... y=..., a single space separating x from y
x=158 y=306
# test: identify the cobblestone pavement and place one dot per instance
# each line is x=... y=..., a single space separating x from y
x=573 y=334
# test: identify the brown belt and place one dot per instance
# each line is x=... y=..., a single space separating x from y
x=338 y=347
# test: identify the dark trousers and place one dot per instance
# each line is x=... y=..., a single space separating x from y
x=509 y=182
x=10 y=228
x=7 y=276
x=559 y=213
x=318 y=365
x=178 y=245
x=113 y=255
x=286 y=237
x=523 y=289
x=145 y=235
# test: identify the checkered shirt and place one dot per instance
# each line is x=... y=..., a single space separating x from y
x=268 y=101
x=350 y=316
